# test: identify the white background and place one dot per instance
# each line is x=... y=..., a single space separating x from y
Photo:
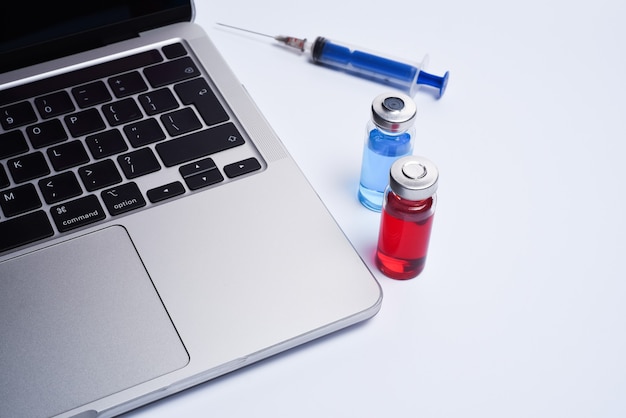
x=521 y=309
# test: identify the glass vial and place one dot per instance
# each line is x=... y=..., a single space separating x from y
x=390 y=133
x=407 y=217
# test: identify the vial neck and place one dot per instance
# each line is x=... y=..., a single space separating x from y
x=399 y=203
x=390 y=144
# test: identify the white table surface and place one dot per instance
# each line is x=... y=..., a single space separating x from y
x=521 y=309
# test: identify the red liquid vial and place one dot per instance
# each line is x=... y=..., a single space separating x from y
x=407 y=217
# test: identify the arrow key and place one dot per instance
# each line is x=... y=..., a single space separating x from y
x=204 y=179
x=197 y=167
x=242 y=167
x=165 y=192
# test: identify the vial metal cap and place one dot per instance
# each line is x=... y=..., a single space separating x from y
x=394 y=112
x=413 y=178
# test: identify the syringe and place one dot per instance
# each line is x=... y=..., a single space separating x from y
x=401 y=75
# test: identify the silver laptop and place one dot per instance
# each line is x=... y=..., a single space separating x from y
x=154 y=231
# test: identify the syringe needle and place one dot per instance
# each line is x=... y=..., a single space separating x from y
x=287 y=40
x=246 y=30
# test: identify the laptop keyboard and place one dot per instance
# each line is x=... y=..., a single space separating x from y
x=78 y=148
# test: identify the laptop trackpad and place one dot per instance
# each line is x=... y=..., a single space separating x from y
x=86 y=312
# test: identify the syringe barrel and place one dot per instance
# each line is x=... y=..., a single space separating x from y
x=374 y=66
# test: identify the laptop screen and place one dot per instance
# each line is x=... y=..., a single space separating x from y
x=32 y=33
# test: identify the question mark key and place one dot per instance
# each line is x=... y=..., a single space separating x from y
x=138 y=163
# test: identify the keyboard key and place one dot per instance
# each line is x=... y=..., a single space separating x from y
x=171 y=72
x=204 y=179
x=107 y=143
x=54 y=104
x=123 y=198
x=12 y=143
x=200 y=173
x=46 y=133
x=68 y=155
x=60 y=187
x=121 y=112
x=77 y=213
x=127 y=84
x=174 y=50
x=84 y=123
x=4 y=179
x=28 y=167
x=199 y=144
x=99 y=175
x=197 y=167
x=242 y=167
x=167 y=191
x=19 y=200
x=138 y=163
x=144 y=132
x=91 y=94
x=198 y=93
x=158 y=101
x=23 y=230
x=181 y=121
x=16 y=115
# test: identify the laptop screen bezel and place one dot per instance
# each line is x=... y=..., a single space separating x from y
x=33 y=34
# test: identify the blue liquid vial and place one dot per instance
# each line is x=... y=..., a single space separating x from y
x=389 y=135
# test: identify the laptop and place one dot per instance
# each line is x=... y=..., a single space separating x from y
x=154 y=231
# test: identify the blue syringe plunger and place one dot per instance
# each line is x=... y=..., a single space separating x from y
x=435 y=81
